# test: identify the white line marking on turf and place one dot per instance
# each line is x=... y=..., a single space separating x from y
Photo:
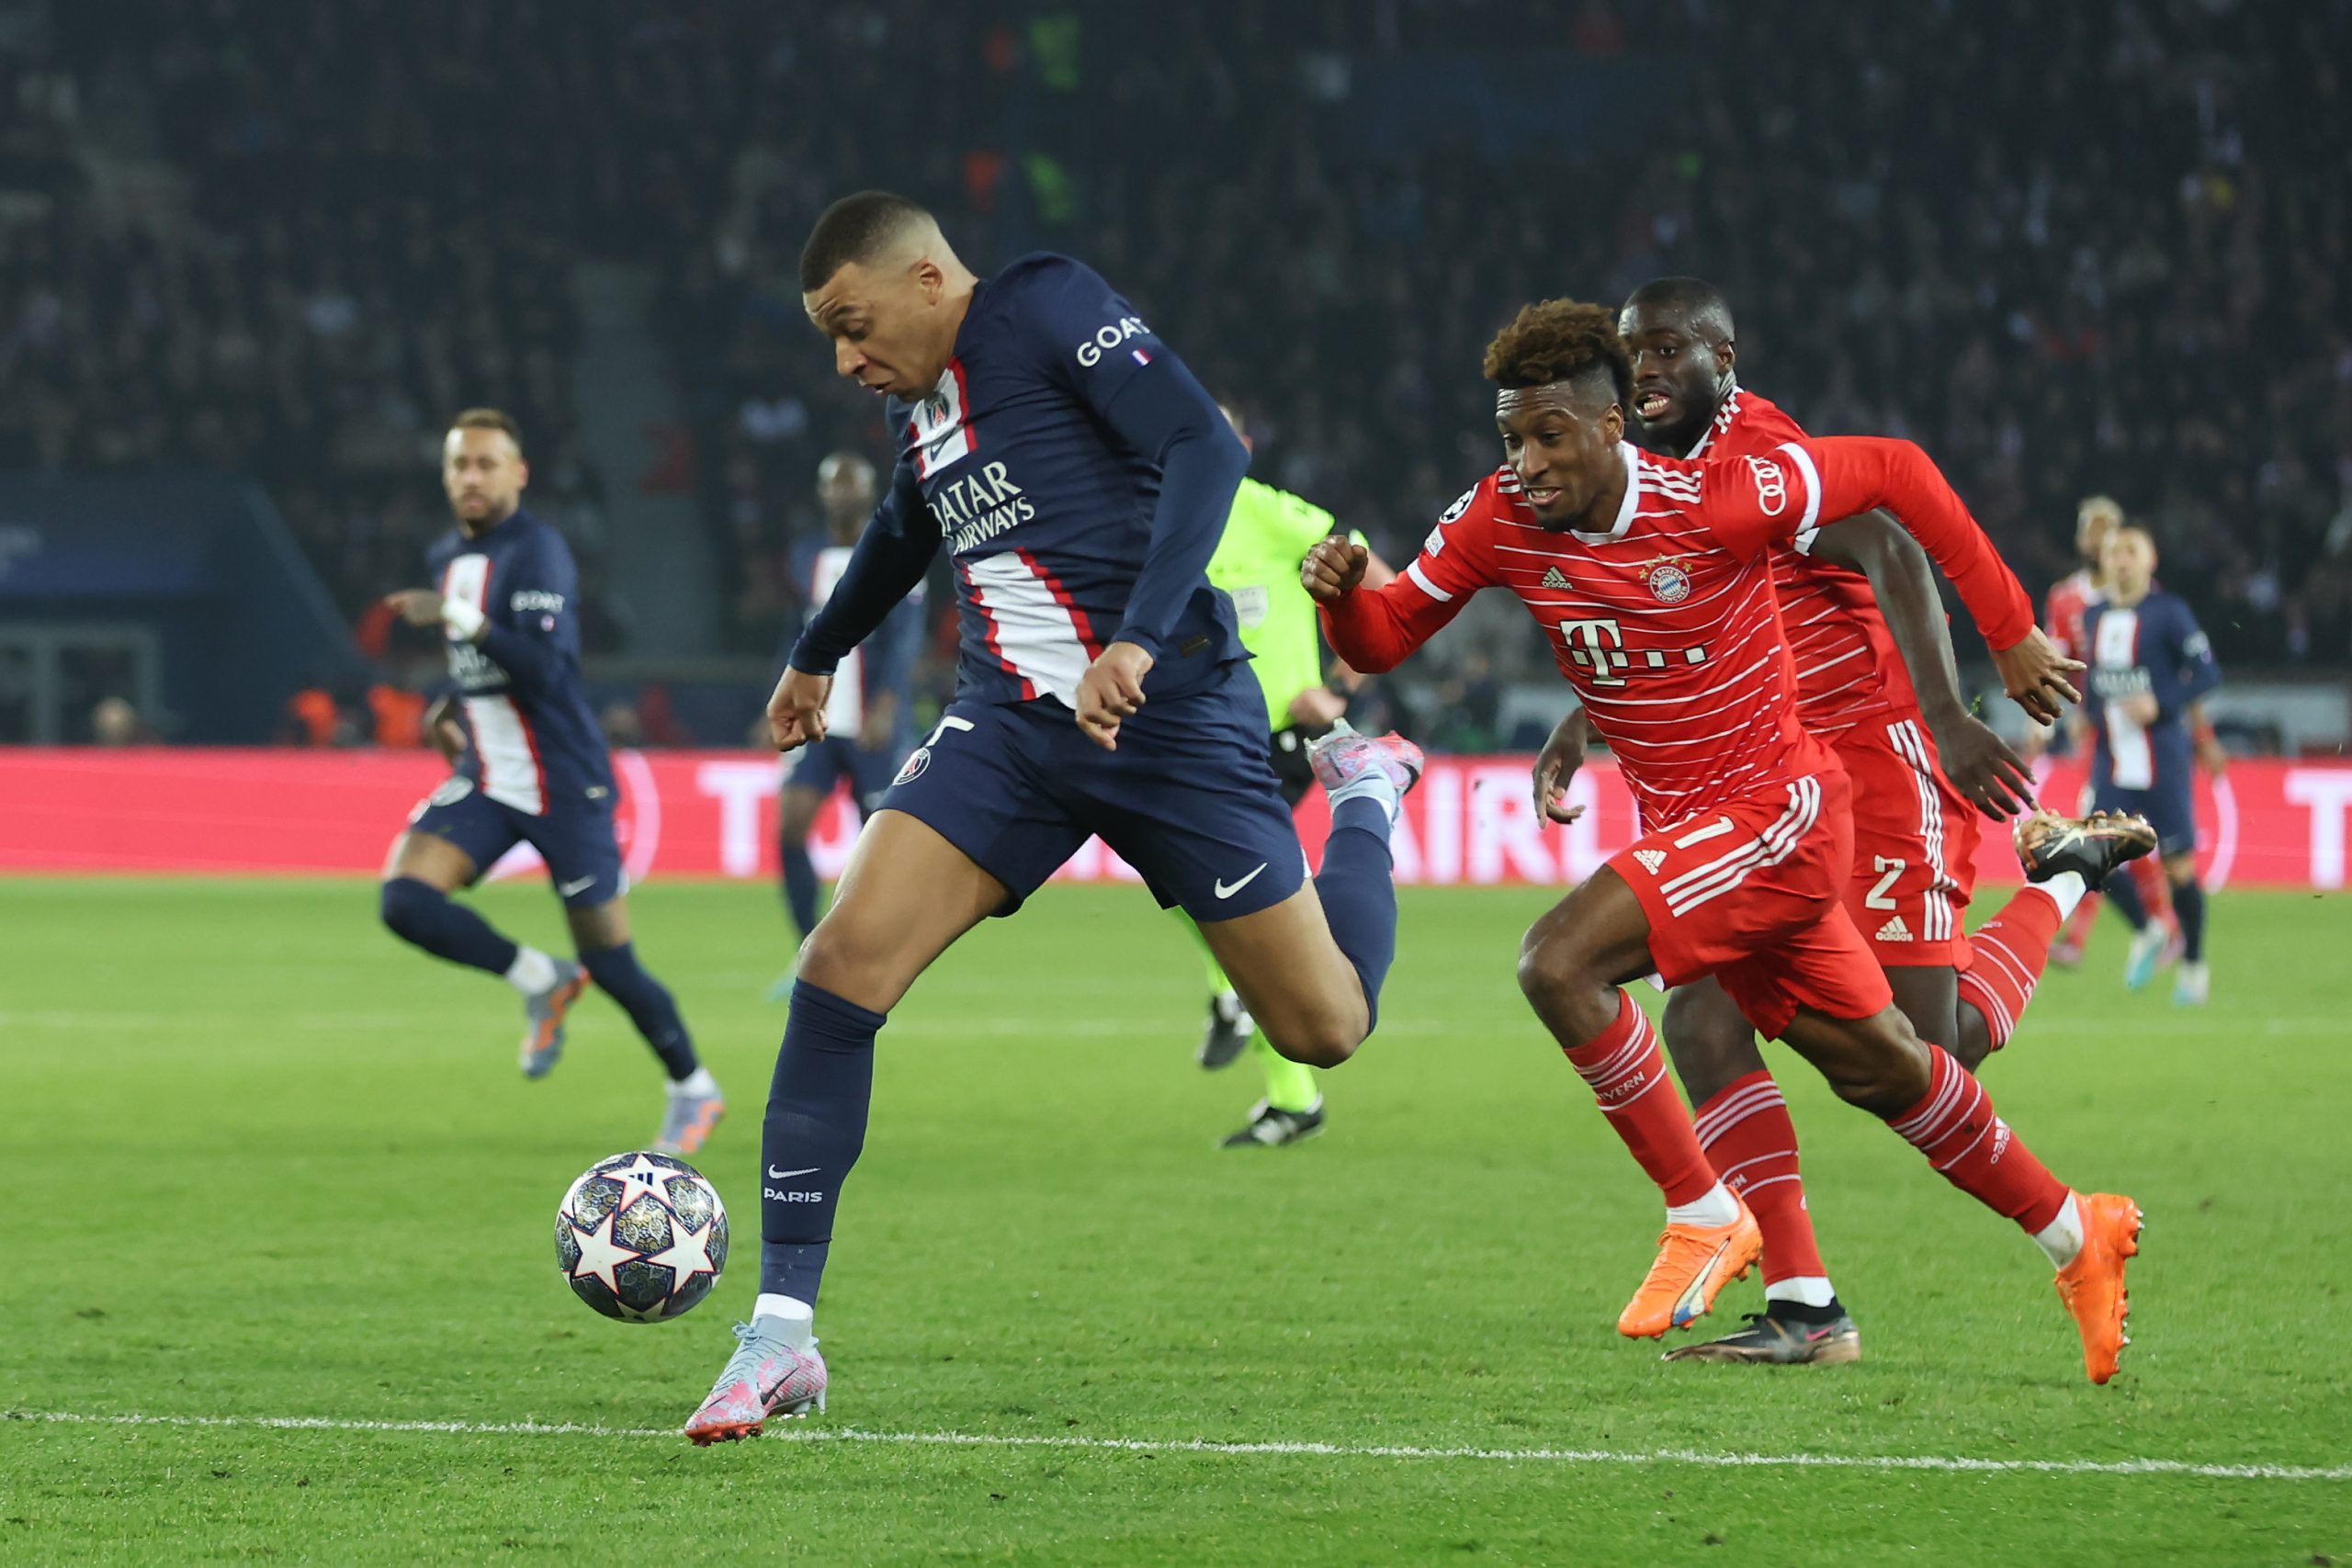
x=1208 y=1446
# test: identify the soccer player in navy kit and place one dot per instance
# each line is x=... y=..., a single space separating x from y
x=531 y=768
x=868 y=718
x=1079 y=475
x=2149 y=665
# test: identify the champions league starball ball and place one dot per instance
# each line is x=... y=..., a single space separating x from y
x=641 y=1237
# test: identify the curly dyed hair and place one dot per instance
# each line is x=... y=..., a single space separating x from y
x=1563 y=340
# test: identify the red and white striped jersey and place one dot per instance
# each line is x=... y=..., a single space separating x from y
x=2067 y=610
x=1847 y=668
x=1666 y=622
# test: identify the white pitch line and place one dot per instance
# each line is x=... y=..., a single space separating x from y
x=1283 y=1450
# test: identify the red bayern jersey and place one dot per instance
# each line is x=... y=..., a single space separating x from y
x=1666 y=622
x=2068 y=608
x=1847 y=667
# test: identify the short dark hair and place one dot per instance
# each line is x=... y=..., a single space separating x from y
x=490 y=419
x=853 y=229
x=1562 y=339
x=1698 y=301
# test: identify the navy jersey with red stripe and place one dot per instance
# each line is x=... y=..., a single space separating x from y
x=2156 y=647
x=1045 y=512
x=534 y=741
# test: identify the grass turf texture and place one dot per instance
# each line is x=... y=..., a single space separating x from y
x=265 y=1162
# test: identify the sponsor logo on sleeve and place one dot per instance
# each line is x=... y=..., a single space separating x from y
x=1771 y=486
x=1109 y=336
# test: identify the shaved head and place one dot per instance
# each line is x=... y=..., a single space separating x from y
x=1699 y=304
x=868 y=228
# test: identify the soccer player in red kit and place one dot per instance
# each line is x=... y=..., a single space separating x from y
x=1876 y=681
x=1651 y=581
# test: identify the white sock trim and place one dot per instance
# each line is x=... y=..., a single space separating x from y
x=1812 y=1290
x=789 y=1315
x=2066 y=890
x=2061 y=1238
x=1370 y=784
x=1715 y=1206
x=532 y=971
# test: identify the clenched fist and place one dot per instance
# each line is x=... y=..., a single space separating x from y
x=1334 y=569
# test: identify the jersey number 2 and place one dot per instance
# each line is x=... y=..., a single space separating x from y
x=1888 y=870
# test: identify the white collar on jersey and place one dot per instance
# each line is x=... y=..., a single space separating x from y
x=1632 y=503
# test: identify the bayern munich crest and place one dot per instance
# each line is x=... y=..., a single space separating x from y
x=1670 y=583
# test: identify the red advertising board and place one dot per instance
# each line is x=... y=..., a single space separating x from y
x=2267 y=824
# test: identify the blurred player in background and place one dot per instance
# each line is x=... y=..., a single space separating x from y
x=529 y=766
x=1651 y=579
x=1266 y=538
x=1876 y=682
x=869 y=719
x=1078 y=477
x=2064 y=609
x=2150 y=663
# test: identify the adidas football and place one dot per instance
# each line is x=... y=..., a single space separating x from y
x=641 y=1237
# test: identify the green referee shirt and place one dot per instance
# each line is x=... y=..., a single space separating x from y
x=1266 y=536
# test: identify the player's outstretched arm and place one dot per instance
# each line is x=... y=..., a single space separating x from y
x=1374 y=629
x=1903 y=581
x=1858 y=473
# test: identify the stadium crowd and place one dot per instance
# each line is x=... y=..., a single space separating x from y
x=377 y=203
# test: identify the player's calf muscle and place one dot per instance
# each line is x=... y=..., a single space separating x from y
x=1877 y=1063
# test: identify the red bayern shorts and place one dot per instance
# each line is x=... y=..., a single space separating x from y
x=1750 y=892
x=1914 y=847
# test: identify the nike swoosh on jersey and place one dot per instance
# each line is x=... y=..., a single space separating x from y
x=1223 y=891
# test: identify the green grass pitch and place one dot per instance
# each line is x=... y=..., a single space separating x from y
x=265 y=1163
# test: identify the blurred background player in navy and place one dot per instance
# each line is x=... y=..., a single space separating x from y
x=869 y=720
x=2149 y=665
x=1078 y=477
x=529 y=766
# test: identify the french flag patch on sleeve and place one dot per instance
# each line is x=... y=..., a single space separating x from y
x=1142 y=355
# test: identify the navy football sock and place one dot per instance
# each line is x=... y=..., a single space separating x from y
x=2124 y=894
x=647 y=1003
x=2189 y=906
x=421 y=913
x=1359 y=892
x=816 y=1125
x=800 y=886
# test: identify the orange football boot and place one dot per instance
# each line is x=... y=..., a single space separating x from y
x=1693 y=1263
x=2092 y=1285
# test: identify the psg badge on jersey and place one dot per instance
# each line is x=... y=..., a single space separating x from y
x=1670 y=583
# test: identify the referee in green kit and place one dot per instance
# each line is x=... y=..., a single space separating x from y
x=1267 y=536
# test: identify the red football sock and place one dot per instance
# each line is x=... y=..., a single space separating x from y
x=1749 y=1138
x=2155 y=889
x=1956 y=1128
x=2006 y=957
x=1628 y=1077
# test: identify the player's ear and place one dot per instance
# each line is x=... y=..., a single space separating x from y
x=929 y=280
x=1613 y=425
x=1726 y=356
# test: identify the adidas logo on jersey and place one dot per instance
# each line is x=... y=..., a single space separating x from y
x=1651 y=859
x=1554 y=578
x=1894 y=930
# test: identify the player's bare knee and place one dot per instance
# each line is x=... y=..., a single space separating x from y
x=1554 y=972
x=1975 y=1041
x=840 y=958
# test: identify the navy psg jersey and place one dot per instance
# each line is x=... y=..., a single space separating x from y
x=2153 y=647
x=535 y=742
x=1045 y=512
